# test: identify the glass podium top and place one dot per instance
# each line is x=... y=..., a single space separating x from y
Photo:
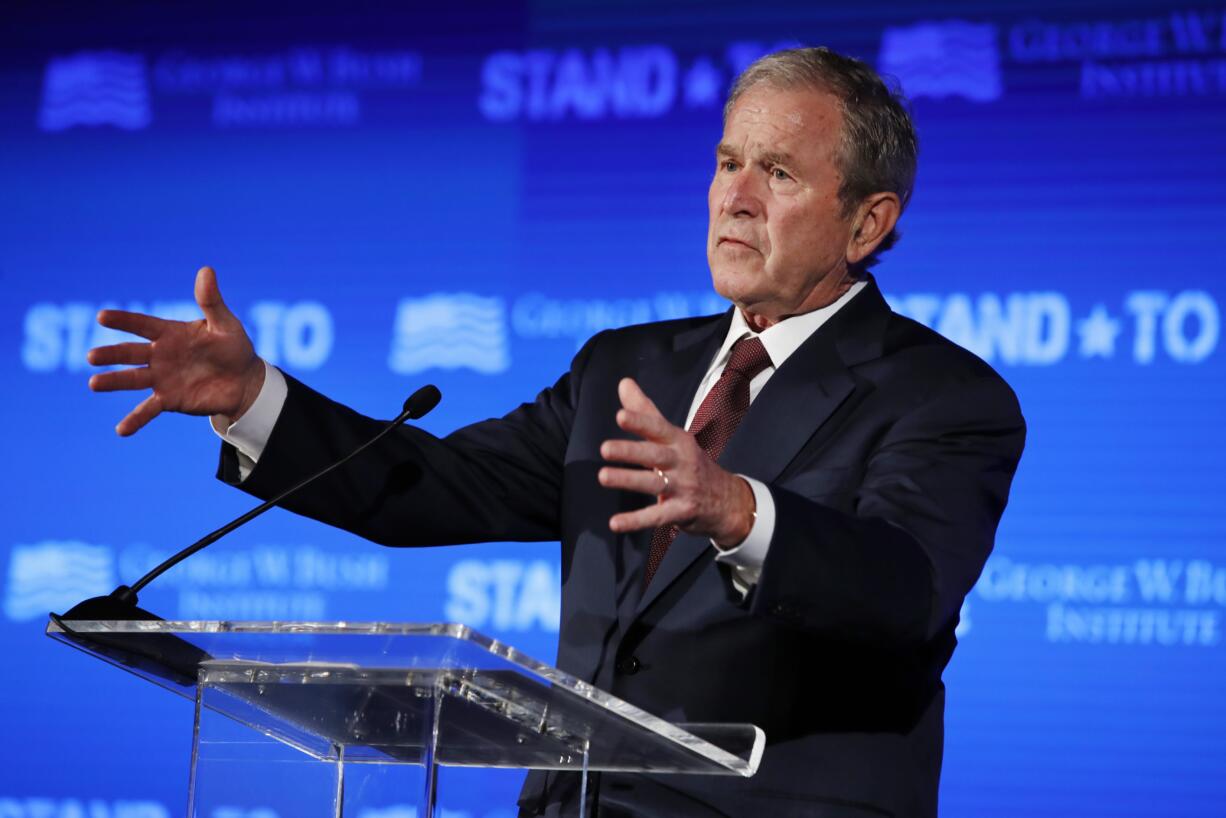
x=381 y=692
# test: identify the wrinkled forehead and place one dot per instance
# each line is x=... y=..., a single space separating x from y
x=795 y=121
x=770 y=87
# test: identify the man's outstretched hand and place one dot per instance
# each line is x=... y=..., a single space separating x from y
x=698 y=496
x=204 y=367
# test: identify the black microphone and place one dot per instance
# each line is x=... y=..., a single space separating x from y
x=120 y=604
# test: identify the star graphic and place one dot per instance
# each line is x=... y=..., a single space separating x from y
x=702 y=84
x=1098 y=332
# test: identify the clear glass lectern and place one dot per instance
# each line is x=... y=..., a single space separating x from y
x=314 y=699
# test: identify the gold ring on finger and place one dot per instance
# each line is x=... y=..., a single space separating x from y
x=664 y=479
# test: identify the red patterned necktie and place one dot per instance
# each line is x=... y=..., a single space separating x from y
x=718 y=416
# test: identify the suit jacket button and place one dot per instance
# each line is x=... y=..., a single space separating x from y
x=628 y=665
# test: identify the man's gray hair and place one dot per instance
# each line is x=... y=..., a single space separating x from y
x=879 y=145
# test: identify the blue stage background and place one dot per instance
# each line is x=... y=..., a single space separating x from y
x=394 y=196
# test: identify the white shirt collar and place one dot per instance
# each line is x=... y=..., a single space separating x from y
x=784 y=338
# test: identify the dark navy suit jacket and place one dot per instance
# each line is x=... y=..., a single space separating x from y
x=889 y=452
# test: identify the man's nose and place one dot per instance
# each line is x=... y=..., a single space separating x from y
x=742 y=197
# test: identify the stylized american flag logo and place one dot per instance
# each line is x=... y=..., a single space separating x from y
x=943 y=59
x=450 y=331
x=95 y=88
x=54 y=576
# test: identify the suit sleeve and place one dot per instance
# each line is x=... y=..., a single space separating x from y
x=499 y=479
x=895 y=571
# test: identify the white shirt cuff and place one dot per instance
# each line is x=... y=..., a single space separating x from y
x=249 y=434
x=747 y=558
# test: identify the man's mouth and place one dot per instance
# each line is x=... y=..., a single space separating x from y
x=735 y=241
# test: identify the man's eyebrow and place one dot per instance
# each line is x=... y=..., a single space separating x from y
x=776 y=158
x=766 y=158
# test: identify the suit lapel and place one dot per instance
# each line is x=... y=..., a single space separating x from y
x=793 y=405
x=801 y=396
x=670 y=381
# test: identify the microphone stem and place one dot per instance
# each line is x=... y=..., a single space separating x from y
x=129 y=594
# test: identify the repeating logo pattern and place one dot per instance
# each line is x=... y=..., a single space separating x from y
x=39 y=807
x=450 y=331
x=95 y=88
x=1150 y=602
x=471 y=331
x=55 y=575
x=1179 y=54
x=951 y=58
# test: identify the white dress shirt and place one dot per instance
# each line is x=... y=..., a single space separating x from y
x=780 y=340
x=249 y=434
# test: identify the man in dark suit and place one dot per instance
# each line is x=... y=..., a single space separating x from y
x=779 y=523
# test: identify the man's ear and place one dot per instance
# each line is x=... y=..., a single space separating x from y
x=874 y=219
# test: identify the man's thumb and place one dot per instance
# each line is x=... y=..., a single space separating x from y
x=208 y=297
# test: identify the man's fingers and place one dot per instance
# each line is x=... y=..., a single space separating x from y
x=634 y=398
x=642 y=452
x=640 y=416
x=144 y=412
x=135 y=354
x=652 y=516
x=651 y=426
x=146 y=326
x=640 y=480
x=208 y=298
x=122 y=379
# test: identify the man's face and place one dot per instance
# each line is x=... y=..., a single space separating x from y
x=777 y=242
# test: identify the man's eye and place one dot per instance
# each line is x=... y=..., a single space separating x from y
x=780 y=174
x=727 y=165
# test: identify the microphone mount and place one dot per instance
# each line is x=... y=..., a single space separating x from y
x=120 y=604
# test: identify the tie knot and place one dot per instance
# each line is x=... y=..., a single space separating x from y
x=748 y=358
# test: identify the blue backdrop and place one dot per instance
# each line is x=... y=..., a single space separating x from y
x=463 y=196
